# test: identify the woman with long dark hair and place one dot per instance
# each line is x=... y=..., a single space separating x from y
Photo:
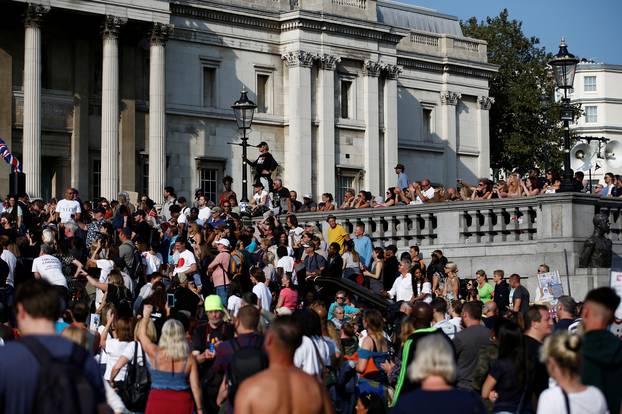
x=507 y=383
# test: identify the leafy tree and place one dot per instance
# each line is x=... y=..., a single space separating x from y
x=524 y=122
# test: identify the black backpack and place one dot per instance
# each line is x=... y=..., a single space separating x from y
x=137 y=271
x=61 y=385
x=246 y=362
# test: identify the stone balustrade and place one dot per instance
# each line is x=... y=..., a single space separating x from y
x=511 y=234
x=444 y=45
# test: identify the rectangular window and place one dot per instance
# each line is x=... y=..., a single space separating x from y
x=589 y=83
x=96 y=175
x=346 y=99
x=426 y=124
x=346 y=179
x=591 y=114
x=208 y=182
x=263 y=93
x=209 y=87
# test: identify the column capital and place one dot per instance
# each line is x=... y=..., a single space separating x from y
x=298 y=58
x=328 y=62
x=34 y=14
x=160 y=32
x=485 y=102
x=371 y=68
x=391 y=71
x=111 y=26
x=450 y=98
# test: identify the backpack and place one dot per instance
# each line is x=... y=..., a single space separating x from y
x=246 y=362
x=62 y=386
x=137 y=271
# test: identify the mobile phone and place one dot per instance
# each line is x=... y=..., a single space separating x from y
x=170 y=300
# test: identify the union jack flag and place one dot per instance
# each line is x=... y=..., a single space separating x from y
x=9 y=157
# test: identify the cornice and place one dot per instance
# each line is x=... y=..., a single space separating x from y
x=440 y=67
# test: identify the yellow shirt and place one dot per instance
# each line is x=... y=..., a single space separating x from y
x=337 y=235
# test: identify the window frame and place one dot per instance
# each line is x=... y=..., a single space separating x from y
x=203 y=164
x=591 y=118
x=210 y=64
x=353 y=173
x=351 y=101
x=585 y=83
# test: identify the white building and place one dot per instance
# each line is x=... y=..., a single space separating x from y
x=345 y=88
x=598 y=88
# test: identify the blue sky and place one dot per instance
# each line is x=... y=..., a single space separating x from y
x=593 y=29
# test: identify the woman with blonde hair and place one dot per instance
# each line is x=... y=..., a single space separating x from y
x=374 y=351
x=434 y=369
x=452 y=282
x=174 y=372
x=561 y=352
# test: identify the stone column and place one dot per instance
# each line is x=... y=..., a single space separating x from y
x=390 y=124
x=371 y=71
x=31 y=147
x=157 y=112
x=449 y=100
x=483 y=133
x=110 y=109
x=326 y=132
x=79 y=159
x=298 y=142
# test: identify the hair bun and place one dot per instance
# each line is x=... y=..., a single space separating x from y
x=573 y=343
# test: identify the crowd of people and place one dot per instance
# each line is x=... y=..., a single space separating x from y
x=105 y=305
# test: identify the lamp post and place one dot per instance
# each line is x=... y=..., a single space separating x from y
x=244 y=109
x=564 y=66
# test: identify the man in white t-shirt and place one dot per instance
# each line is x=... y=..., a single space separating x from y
x=204 y=211
x=261 y=290
x=49 y=267
x=10 y=260
x=424 y=192
x=402 y=287
x=286 y=263
x=186 y=262
x=68 y=208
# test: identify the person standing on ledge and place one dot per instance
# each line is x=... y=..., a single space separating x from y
x=264 y=165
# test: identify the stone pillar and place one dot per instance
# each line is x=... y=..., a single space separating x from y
x=110 y=109
x=371 y=71
x=6 y=110
x=326 y=132
x=298 y=142
x=449 y=100
x=157 y=112
x=390 y=124
x=79 y=160
x=483 y=133
x=31 y=147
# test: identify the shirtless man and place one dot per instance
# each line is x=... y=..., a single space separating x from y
x=276 y=390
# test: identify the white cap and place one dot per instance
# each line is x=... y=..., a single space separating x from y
x=224 y=242
x=308 y=195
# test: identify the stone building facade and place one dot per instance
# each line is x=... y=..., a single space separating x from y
x=137 y=95
x=598 y=88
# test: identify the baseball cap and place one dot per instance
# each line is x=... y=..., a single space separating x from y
x=400 y=166
x=213 y=303
x=224 y=242
x=308 y=195
x=262 y=144
x=306 y=245
x=330 y=216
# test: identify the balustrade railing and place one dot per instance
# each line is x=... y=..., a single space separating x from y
x=488 y=222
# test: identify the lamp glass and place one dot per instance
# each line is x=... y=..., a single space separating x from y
x=244 y=110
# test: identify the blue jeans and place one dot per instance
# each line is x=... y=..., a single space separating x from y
x=222 y=292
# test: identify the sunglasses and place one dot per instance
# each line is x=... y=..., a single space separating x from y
x=340 y=297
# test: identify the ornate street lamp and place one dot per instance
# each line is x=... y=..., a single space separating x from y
x=564 y=66
x=244 y=109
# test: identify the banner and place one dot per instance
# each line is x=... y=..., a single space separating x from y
x=10 y=159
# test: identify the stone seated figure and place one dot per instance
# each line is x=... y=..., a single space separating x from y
x=597 y=249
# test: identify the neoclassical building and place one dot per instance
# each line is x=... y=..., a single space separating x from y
x=117 y=95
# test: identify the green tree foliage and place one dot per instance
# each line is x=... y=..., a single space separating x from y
x=524 y=123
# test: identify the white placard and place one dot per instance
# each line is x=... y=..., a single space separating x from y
x=549 y=287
